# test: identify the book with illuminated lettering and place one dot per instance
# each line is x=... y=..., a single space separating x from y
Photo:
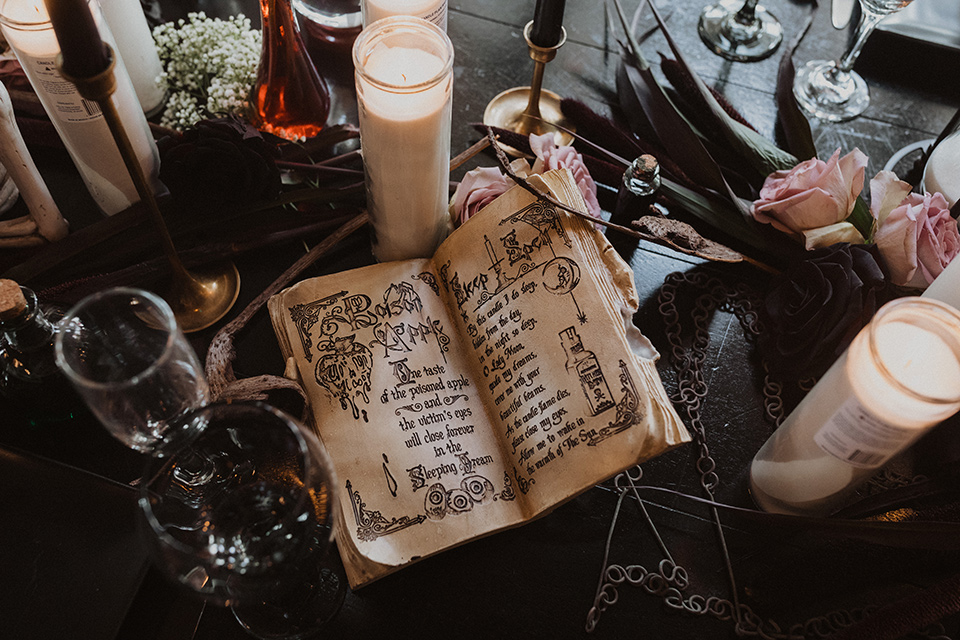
x=476 y=390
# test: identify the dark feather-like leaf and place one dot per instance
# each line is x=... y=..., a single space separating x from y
x=682 y=144
x=679 y=77
x=762 y=154
x=793 y=124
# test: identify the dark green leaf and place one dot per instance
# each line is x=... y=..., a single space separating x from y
x=795 y=126
x=862 y=219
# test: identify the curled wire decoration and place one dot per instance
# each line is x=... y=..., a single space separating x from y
x=670 y=581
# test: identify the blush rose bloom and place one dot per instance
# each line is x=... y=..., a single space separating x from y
x=918 y=239
x=478 y=188
x=813 y=194
x=550 y=156
x=482 y=186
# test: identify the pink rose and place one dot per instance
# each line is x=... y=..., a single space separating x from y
x=550 y=156
x=812 y=194
x=478 y=188
x=918 y=239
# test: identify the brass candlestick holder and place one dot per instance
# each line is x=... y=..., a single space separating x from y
x=532 y=109
x=198 y=298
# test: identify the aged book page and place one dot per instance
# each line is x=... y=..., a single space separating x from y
x=418 y=465
x=571 y=384
x=469 y=393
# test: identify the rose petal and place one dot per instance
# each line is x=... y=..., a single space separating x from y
x=831 y=234
x=886 y=193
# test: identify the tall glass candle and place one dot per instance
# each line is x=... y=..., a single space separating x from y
x=434 y=11
x=946 y=286
x=899 y=377
x=135 y=44
x=404 y=76
x=79 y=122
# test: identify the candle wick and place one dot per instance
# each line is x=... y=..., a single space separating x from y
x=404 y=76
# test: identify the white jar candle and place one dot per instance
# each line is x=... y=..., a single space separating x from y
x=434 y=11
x=899 y=377
x=135 y=45
x=404 y=76
x=79 y=122
x=946 y=286
x=942 y=171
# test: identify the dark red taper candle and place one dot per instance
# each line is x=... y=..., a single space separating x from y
x=82 y=49
x=547 y=23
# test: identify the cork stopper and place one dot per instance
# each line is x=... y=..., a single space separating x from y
x=12 y=302
x=646 y=165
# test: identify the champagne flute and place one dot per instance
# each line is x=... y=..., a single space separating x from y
x=745 y=33
x=254 y=536
x=832 y=90
x=127 y=357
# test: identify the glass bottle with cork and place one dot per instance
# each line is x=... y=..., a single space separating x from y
x=638 y=190
x=29 y=377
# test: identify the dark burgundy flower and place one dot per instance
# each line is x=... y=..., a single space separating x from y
x=815 y=309
x=219 y=162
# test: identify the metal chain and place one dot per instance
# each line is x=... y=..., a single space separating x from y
x=670 y=580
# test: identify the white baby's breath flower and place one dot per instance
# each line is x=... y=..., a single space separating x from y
x=209 y=67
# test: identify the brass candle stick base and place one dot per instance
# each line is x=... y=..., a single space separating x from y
x=532 y=109
x=198 y=298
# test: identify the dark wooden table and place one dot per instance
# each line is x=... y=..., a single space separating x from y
x=539 y=581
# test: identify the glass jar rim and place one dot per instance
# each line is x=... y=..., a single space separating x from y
x=395 y=25
x=938 y=312
x=169 y=324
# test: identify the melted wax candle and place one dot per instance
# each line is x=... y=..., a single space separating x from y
x=899 y=377
x=404 y=88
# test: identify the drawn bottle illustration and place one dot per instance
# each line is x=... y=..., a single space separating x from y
x=588 y=369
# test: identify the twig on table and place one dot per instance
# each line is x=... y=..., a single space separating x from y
x=526 y=186
x=318 y=168
x=219 y=361
x=463 y=156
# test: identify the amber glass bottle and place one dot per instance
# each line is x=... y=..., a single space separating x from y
x=290 y=98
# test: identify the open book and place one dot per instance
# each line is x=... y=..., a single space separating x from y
x=474 y=391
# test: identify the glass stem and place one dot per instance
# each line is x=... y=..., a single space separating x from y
x=868 y=22
x=747 y=13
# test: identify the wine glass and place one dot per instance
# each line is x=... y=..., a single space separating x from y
x=253 y=536
x=832 y=90
x=128 y=359
x=743 y=33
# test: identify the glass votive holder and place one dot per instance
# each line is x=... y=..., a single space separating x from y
x=898 y=378
x=404 y=79
x=328 y=29
x=940 y=173
x=434 y=11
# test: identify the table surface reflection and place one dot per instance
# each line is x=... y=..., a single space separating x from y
x=539 y=580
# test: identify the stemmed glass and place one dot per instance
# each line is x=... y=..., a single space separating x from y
x=254 y=535
x=743 y=33
x=128 y=359
x=832 y=90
